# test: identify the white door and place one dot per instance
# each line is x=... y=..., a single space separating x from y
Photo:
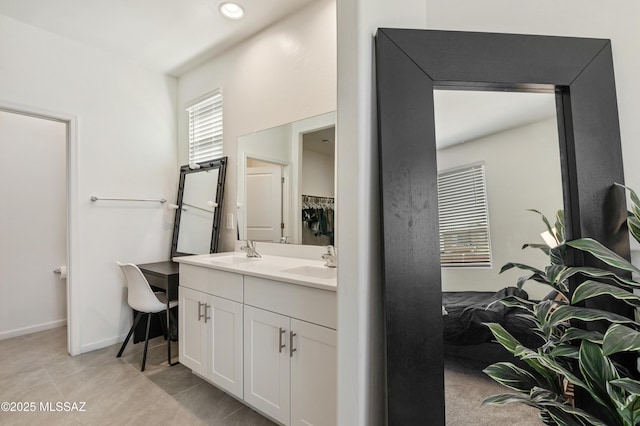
x=225 y=344
x=192 y=330
x=264 y=203
x=314 y=379
x=266 y=362
x=33 y=224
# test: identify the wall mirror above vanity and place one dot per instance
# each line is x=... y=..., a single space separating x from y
x=196 y=228
x=286 y=183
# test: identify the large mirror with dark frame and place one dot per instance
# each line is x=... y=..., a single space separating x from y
x=578 y=157
x=196 y=228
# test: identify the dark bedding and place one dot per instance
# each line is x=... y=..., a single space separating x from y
x=467 y=311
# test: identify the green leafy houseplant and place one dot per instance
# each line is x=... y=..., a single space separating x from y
x=573 y=355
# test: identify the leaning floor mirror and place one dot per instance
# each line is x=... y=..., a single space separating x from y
x=418 y=73
x=196 y=228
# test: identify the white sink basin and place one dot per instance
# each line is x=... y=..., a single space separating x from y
x=233 y=259
x=313 y=271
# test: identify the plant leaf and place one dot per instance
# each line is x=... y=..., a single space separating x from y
x=544 y=219
x=635 y=200
x=597 y=370
x=560 y=227
x=573 y=333
x=634 y=227
x=629 y=385
x=566 y=351
x=589 y=289
x=620 y=338
x=512 y=265
x=511 y=344
x=598 y=273
x=512 y=377
x=602 y=253
x=567 y=312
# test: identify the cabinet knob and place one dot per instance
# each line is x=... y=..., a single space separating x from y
x=281 y=345
x=291 y=348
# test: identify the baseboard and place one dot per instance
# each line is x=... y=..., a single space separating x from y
x=93 y=346
x=32 y=329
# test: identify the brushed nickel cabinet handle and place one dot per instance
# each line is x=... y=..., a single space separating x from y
x=291 y=348
x=206 y=306
x=200 y=310
x=281 y=345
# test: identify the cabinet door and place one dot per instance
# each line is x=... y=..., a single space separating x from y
x=266 y=362
x=192 y=330
x=314 y=383
x=224 y=326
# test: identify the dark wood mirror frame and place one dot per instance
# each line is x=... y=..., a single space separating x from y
x=409 y=65
x=221 y=164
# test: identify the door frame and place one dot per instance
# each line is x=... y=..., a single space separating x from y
x=242 y=193
x=73 y=292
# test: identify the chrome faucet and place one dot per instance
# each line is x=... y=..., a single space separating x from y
x=250 y=248
x=330 y=257
x=284 y=240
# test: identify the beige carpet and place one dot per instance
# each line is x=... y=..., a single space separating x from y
x=466 y=386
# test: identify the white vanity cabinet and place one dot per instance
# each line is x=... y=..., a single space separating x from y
x=270 y=342
x=290 y=368
x=211 y=333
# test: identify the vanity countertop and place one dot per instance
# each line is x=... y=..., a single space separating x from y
x=306 y=272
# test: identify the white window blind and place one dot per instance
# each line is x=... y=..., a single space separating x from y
x=205 y=129
x=464 y=217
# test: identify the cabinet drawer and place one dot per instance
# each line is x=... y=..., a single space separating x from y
x=306 y=303
x=212 y=281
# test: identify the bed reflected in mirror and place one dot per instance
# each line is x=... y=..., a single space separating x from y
x=498 y=157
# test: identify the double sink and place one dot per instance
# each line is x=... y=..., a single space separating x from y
x=294 y=270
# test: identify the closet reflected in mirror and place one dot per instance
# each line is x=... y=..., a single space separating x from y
x=199 y=208
x=498 y=157
x=286 y=183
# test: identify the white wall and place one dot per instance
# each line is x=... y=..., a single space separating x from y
x=317 y=174
x=33 y=224
x=283 y=74
x=361 y=380
x=522 y=168
x=125 y=148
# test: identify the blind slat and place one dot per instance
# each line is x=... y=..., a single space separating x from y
x=464 y=219
x=206 y=129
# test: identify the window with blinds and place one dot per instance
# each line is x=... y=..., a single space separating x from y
x=205 y=129
x=464 y=218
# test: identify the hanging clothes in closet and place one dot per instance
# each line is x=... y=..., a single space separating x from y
x=317 y=220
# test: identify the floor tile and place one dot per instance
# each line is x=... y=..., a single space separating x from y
x=209 y=403
x=246 y=417
x=37 y=368
x=174 y=380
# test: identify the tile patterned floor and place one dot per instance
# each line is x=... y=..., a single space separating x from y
x=36 y=368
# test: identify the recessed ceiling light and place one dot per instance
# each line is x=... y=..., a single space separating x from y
x=231 y=10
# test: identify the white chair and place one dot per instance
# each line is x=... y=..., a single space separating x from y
x=145 y=301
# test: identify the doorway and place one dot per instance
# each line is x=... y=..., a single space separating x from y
x=34 y=221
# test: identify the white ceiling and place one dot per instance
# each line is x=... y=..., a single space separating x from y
x=461 y=116
x=169 y=36
x=172 y=36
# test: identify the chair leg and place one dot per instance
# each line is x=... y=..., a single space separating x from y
x=146 y=342
x=163 y=325
x=133 y=327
